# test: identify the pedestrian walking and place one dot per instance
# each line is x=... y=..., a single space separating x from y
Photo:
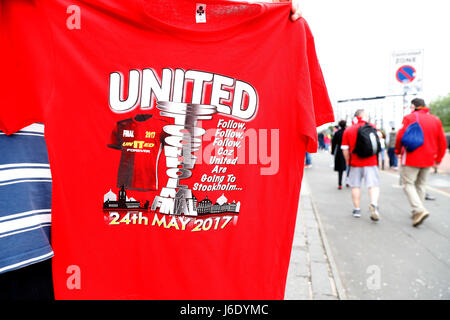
x=339 y=160
x=382 y=138
x=421 y=144
x=320 y=138
x=308 y=160
x=360 y=146
x=327 y=141
x=391 y=149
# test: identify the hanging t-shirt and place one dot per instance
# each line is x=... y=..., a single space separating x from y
x=242 y=92
x=139 y=140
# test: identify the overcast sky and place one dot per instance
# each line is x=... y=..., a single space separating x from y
x=355 y=38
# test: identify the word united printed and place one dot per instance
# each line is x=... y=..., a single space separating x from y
x=232 y=97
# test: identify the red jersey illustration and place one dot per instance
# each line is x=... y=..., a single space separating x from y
x=141 y=140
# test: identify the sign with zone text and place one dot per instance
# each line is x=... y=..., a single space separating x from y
x=406 y=72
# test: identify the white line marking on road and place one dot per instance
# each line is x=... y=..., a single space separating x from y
x=428 y=187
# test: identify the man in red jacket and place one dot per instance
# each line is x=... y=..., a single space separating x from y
x=361 y=169
x=417 y=164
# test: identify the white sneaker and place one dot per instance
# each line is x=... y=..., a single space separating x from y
x=374 y=215
x=356 y=213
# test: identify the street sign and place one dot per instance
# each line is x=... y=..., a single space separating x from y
x=405 y=74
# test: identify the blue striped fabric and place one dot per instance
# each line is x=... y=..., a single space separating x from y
x=25 y=199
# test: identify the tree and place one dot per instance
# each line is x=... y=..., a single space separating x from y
x=441 y=108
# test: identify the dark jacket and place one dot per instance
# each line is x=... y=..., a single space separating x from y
x=339 y=160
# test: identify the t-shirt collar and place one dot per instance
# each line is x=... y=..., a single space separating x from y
x=164 y=25
x=422 y=110
x=360 y=120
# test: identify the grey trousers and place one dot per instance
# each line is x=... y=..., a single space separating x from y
x=414 y=182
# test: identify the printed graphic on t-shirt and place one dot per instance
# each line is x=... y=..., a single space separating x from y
x=140 y=140
x=141 y=197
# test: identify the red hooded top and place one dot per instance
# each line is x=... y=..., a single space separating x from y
x=434 y=146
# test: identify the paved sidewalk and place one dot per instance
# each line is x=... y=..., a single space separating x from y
x=438 y=179
x=312 y=273
x=389 y=259
x=444 y=167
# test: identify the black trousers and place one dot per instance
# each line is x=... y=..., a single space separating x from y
x=340 y=175
x=33 y=282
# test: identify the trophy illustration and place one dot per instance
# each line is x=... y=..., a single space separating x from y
x=183 y=139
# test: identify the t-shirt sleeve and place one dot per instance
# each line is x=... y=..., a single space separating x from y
x=114 y=141
x=441 y=141
x=27 y=67
x=315 y=102
x=323 y=109
x=345 y=141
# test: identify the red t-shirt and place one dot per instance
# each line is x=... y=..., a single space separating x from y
x=139 y=140
x=349 y=142
x=221 y=224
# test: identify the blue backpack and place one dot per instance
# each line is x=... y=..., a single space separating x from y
x=413 y=137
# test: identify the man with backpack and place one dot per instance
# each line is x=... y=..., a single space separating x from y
x=421 y=144
x=360 y=145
